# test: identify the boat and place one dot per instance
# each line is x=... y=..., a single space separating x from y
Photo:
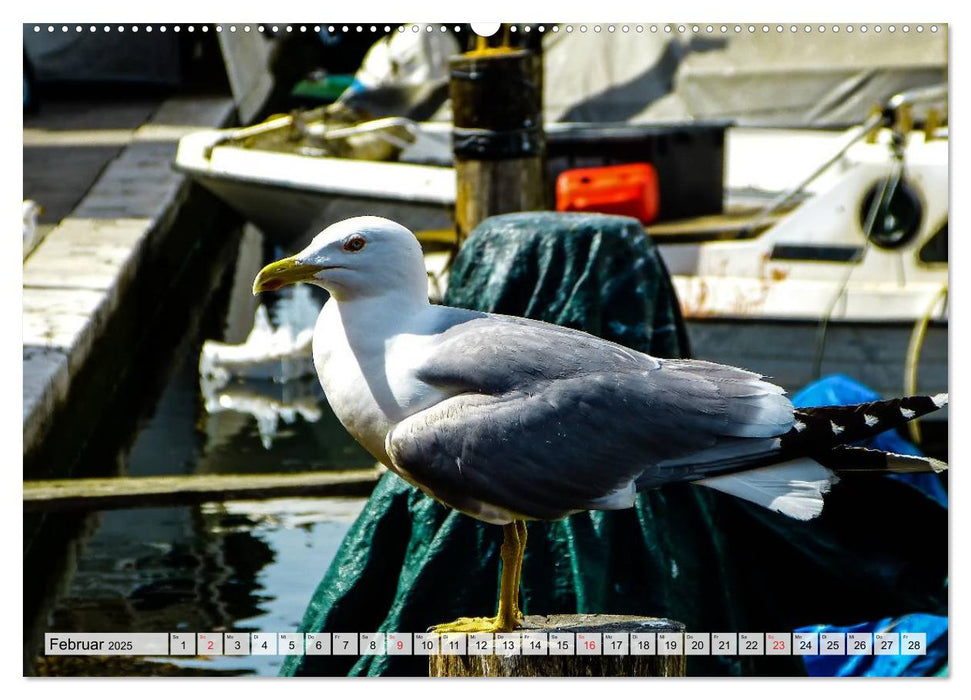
x=289 y=194
x=853 y=280
x=831 y=259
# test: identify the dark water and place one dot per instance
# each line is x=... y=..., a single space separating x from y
x=230 y=566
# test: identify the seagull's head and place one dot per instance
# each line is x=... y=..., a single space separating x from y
x=356 y=258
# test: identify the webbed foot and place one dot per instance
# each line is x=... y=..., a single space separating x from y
x=471 y=625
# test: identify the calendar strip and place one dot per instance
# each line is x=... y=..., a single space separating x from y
x=503 y=644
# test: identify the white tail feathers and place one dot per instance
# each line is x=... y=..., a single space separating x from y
x=793 y=488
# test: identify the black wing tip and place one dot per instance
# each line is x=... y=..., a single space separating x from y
x=822 y=427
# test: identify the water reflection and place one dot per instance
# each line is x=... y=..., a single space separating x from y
x=237 y=566
x=227 y=566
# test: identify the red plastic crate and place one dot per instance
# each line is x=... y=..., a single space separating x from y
x=627 y=190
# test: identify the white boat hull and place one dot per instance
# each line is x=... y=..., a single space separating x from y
x=796 y=353
x=290 y=216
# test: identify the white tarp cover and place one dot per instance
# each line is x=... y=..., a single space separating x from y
x=791 y=79
x=407 y=59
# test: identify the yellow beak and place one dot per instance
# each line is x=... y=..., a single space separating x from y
x=283 y=272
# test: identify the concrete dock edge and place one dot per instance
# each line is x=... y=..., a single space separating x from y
x=74 y=279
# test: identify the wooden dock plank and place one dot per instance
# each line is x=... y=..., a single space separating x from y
x=152 y=491
x=734 y=224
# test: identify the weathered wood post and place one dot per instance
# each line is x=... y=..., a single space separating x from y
x=632 y=663
x=497 y=134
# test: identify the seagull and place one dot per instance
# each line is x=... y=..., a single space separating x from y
x=508 y=419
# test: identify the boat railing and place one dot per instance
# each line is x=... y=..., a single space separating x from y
x=921 y=95
x=894 y=114
x=379 y=127
x=857 y=134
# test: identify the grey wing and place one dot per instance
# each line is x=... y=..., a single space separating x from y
x=546 y=422
x=491 y=353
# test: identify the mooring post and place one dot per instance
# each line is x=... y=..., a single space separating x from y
x=636 y=661
x=497 y=134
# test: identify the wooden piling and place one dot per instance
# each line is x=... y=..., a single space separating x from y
x=497 y=137
x=599 y=665
x=155 y=491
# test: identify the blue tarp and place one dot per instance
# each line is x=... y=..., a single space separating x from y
x=841 y=390
x=931 y=664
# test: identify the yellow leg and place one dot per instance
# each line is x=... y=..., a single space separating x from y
x=521 y=532
x=508 y=616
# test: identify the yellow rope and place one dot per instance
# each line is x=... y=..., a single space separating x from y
x=913 y=357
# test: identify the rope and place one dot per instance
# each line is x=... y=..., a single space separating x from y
x=886 y=194
x=914 y=347
x=864 y=130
